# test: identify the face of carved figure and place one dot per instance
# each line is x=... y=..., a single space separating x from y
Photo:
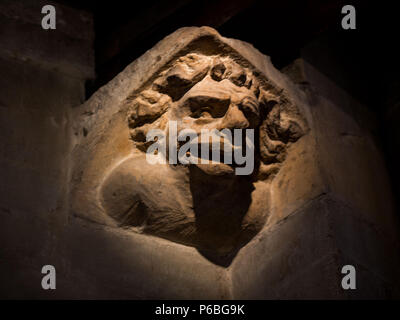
x=203 y=93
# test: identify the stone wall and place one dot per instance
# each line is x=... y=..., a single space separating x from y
x=330 y=203
x=344 y=209
x=43 y=74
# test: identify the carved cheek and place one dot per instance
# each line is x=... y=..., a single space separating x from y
x=234 y=119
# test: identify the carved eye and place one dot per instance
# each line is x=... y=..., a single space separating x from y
x=217 y=72
x=205 y=114
x=239 y=79
x=206 y=106
x=202 y=113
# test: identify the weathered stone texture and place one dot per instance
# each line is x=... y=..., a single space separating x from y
x=205 y=84
x=325 y=202
x=324 y=179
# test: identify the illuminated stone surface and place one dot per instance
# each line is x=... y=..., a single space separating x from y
x=192 y=232
x=205 y=84
x=321 y=196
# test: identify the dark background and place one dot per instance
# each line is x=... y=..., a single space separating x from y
x=124 y=30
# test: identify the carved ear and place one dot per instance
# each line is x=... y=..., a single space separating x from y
x=144 y=113
x=281 y=125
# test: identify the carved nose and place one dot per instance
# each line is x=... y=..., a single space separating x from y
x=234 y=119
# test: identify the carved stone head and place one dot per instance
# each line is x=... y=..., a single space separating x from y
x=206 y=206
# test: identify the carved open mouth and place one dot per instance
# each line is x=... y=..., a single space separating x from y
x=217 y=158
